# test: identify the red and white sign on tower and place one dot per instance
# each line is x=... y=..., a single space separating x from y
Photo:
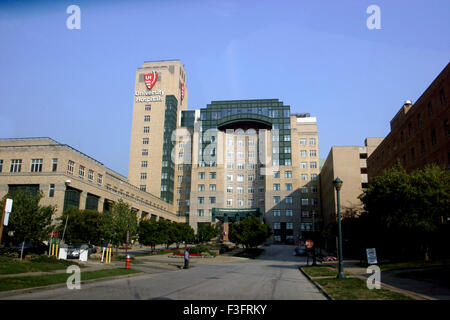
x=150 y=79
x=182 y=91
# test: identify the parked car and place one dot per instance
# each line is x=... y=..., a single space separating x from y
x=300 y=250
x=74 y=249
x=29 y=247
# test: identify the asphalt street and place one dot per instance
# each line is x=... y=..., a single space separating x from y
x=273 y=276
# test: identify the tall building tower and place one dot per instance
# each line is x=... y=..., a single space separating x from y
x=249 y=157
x=159 y=96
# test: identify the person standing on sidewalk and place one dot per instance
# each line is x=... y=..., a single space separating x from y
x=186 y=259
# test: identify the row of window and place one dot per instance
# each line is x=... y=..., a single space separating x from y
x=36 y=165
x=81 y=172
x=277 y=226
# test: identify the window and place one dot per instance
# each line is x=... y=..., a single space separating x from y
x=251 y=177
x=410 y=129
x=164 y=187
x=433 y=137
x=229 y=177
x=201 y=187
x=179 y=178
x=288 y=213
x=276 y=174
x=314 y=176
x=287 y=149
x=145 y=141
x=201 y=175
x=51 y=191
x=201 y=200
x=442 y=96
x=289 y=225
x=212 y=187
x=288 y=199
x=240 y=202
x=229 y=202
x=240 y=155
x=99 y=179
x=277 y=238
x=430 y=109
x=313 y=189
x=36 y=165
x=179 y=190
x=146 y=129
x=212 y=200
x=303 y=142
x=145 y=152
x=446 y=129
x=313 y=165
x=276 y=225
x=304 y=165
x=240 y=166
x=305 y=202
x=200 y=212
x=81 y=172
x=144 y=164
x=312 y=153
x=143 y=176
x=312 y=141
x=422 y=147
x=230 y=189
x=1 y=165
x=305 y=214
x=229 y=165
x=250 y=202
x=16 y=165
x=70 y=166
x=54 y=164
x=287 y=162
x=304 y=190
x=276 y=213
x=304 y=177
x=288 y=186
x=276 y=199
x=240 y=178
x=240 y=190
x=276 y=186
x=146 y=118
x=303 y=153
x=90 y=175
x=212 y=175
x=148 y=107
x=287 y=138
x=288 y=174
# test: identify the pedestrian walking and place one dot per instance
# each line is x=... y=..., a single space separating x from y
x=186 y=259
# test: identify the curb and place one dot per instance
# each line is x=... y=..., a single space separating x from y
x=10 y=293
x=318 y=286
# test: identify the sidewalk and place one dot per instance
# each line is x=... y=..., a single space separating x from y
x=417 y=289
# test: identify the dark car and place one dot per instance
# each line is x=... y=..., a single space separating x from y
x=30 y=247
x=300 y=250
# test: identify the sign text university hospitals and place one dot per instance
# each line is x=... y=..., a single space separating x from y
x=155 y=96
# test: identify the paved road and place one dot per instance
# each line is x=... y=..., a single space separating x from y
x=274 y=275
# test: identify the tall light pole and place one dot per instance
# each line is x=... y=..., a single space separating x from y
x=314 y=239
x=338 y=184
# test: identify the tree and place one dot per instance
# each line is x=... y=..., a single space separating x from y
x=148 y=233
x=118 y=221
x=250 y=232
x=406 y=208
x=207 y=231
x=29 y=221
x=82 y=226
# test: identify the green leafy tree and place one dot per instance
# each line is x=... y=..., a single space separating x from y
x=250 y=232
x=407 y=208
x=118 y=221
x=149 y=235
x=181 y=232
x=82 y=226
x=29 y=221
x=207 y=231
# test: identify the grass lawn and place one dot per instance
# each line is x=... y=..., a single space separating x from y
x=9 y=265
x=409 y=265
x=14 y=283
x=356 y=289
x=319 y=271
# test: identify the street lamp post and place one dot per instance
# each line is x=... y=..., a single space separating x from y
x=314 y=239
x=338 y=184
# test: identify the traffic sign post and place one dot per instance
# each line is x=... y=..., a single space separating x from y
x=309 y=244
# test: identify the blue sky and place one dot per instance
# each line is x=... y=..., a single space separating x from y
x=76 y=86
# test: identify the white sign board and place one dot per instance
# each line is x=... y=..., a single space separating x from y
x=83 y=254
x=62 y=253
x=371 y=256
x=8 y=208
